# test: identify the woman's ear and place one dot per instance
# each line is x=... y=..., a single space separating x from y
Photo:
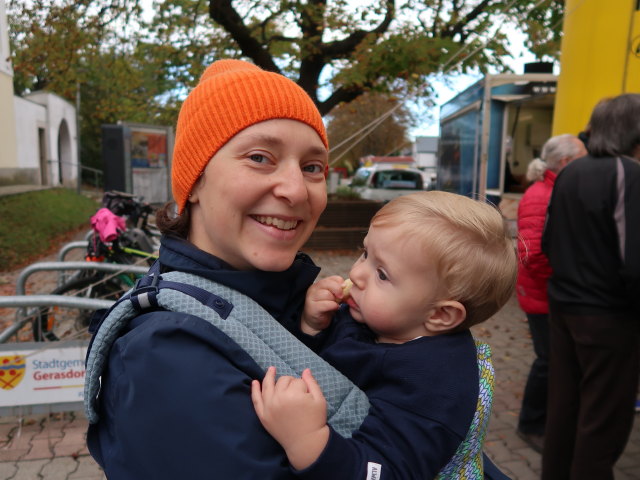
x=193 y=195
x=446 y=316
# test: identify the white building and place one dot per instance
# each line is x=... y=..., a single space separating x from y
x=38 y=132
x=425 y=153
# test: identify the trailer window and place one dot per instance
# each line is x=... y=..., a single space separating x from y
x=528 y=127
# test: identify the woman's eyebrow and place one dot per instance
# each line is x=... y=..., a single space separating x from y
x=274 y=141
x=317 y=151
x=262 y=138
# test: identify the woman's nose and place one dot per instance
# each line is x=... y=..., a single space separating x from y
x=290 y=183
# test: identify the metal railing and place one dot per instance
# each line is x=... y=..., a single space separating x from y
x=79 y=244
x=46 y=301
x=55 y=266
x=24 y=302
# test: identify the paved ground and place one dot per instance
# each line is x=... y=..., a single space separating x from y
x=52 y=447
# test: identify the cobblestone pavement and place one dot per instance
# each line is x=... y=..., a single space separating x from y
x=53 y=446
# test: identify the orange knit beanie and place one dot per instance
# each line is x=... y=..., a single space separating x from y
x=231 y=96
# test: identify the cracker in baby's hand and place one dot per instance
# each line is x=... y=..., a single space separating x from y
x=346 y=288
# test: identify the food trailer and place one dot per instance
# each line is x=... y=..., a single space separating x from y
x=491 y=131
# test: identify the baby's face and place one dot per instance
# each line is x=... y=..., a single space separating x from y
x=394 y=285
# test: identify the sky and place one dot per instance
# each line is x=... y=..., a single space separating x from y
x=459 y=83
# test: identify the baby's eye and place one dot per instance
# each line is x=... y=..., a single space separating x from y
x=382 y=275
x=258 y=158
x=363 y=253
x=315 y=168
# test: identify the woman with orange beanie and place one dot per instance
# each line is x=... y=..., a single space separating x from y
x=248 y=180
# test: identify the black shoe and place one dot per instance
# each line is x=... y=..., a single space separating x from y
x=535 y=441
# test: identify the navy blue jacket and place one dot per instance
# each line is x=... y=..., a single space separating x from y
x=175 y=396
x=175 y=399
x=423 y=396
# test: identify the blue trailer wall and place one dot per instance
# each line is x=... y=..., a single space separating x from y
x=457 y=153
x=460 y=151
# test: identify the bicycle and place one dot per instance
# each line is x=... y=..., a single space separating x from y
x=132 y=245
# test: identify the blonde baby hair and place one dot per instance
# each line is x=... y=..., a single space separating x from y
x=469 y=243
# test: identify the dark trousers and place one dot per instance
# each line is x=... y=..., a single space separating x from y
x=533 y=413
x=593 y=379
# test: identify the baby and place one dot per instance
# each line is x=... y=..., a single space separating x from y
x=433 y=265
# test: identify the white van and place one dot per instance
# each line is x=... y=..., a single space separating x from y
x=382 y=183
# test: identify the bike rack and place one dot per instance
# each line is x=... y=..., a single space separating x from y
x=99 y=266
x=82 y=244
x=21 y=300
x=45 y=301
x=79 y=244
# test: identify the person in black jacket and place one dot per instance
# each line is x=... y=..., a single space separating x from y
x=592 y=239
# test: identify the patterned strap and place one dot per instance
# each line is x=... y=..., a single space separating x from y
x=466 y=463
x=269 y=344
x=242 y=320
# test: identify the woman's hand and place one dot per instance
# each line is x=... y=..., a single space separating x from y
x=294 y=412
x=323 y=298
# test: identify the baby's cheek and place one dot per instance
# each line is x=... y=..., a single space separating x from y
x=377 y=318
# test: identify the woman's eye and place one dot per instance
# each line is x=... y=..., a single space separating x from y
x=313 y=168
x=382 y=275
x=258 y=158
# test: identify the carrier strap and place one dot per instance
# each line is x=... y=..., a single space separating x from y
x=240 y=318
x=467 y=462
x=269 y=343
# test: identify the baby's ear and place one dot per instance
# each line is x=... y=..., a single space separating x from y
x=446 y=316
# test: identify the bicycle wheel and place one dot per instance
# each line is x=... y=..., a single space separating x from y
x=63 y=323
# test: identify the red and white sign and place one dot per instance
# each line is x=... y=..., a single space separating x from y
x=37 y=375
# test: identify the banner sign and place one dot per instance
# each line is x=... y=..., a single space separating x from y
x=148 y=148
x=41 y=373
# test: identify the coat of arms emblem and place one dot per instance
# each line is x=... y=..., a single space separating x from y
x=12 y=370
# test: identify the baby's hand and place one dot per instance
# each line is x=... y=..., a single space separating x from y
x=323 y=298
x=294 y=412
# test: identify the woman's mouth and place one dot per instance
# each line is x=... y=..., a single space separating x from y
x=278 y=223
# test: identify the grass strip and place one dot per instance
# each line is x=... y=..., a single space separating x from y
x=32 y=224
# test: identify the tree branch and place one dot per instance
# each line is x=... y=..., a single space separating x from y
x=342 y=48
x=320 y=53
x=458 y=27
x=222 y=12
x=263 y=28
x=340 y=95
x=312 y=61
x=435 y=31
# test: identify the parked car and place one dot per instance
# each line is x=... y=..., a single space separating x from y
x=385 y=183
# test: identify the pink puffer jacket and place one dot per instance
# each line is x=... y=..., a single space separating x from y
x=534 y=269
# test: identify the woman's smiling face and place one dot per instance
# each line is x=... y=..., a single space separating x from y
x=261 y=195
